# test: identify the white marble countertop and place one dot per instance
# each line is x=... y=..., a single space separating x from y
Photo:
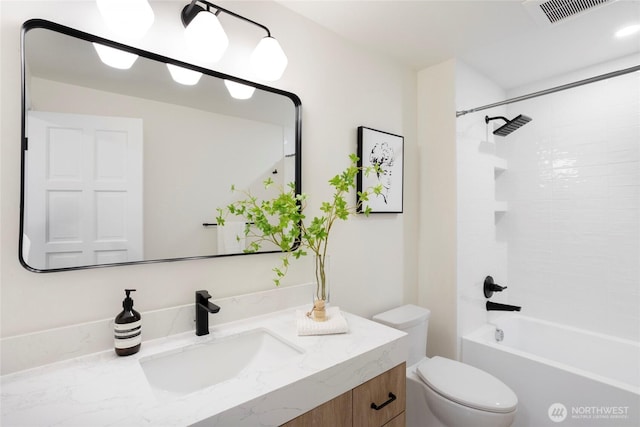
x=103 y=389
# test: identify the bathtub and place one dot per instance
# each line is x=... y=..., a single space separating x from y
x=562 y=375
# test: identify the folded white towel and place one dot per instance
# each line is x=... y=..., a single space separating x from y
x=335 y=323
x=231 y=238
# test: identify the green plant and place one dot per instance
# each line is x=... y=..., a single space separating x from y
x=281 y=220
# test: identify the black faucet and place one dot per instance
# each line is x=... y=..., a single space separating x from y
x=203 y=308
x=494 y=306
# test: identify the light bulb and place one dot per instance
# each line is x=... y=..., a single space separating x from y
x=127 y=18
x=115 y=58
x=184 y=76
x=205 y=37
x=268 y=59
x=627 y=31
x=238 y=90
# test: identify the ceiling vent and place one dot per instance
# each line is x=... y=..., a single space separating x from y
x=555 y=11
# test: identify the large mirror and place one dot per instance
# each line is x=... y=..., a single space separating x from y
x=123 y=166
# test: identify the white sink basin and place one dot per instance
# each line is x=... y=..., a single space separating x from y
x=194 y=367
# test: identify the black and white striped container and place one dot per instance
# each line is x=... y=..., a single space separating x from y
x=127 y=328
x=128 y=337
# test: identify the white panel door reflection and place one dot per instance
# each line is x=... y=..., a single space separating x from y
x=84 y=177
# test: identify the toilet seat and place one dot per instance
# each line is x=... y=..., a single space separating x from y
x=467 y=385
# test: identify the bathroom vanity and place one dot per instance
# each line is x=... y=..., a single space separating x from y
x=342 y=374
x=357 y=407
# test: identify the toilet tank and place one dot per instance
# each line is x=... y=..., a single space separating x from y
x=414 y=321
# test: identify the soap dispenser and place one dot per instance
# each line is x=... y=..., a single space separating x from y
x=128 y=328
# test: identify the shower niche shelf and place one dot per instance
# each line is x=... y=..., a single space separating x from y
x=500 y=207
x=499 y=167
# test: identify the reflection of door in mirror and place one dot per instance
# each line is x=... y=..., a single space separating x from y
x=84 y=201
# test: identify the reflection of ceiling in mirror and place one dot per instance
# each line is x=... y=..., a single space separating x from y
x=66 y=59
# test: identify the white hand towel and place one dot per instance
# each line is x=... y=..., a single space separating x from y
x=231 y=238
x=335 y=323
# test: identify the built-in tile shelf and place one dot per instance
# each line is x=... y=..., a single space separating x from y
x=500 y=207
x=499 y=167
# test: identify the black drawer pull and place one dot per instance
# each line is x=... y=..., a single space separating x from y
x=392 y=397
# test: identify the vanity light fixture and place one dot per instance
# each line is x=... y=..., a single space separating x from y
x=127 y=18
x=627 y=31
x=207 y=40
x=184 y=75
x=115 y=58
x=205 y=36
x=238 y=90
x=268 y=59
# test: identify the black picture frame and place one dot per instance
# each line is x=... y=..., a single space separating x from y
x=386 y=150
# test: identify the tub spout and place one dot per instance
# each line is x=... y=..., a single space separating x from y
x=494 y=306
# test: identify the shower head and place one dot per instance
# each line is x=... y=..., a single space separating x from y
x=510 y=125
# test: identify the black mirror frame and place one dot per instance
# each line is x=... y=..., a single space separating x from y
x=49 y=25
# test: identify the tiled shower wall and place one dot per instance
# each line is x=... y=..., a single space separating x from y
x=573 y=220
x=480 y=250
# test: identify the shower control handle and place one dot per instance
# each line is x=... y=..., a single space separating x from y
x=490 y=287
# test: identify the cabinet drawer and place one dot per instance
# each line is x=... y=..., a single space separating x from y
x=380 y=399
x=334 y=413
x=399 y=421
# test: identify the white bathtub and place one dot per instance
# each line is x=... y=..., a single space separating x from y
x=562 y=375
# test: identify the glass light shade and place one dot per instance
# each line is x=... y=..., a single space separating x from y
x=128 y=18
x=238 y=90
x=268 y=59
x=184 y=76
x=205 y=37
x=115 y=58
x=627 y=31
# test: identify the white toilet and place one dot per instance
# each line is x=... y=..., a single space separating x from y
x=443 y=392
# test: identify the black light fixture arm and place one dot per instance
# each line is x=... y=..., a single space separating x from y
x=487 y=119
x=192 y=9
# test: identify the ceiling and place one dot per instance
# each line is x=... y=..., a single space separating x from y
x=501 y=39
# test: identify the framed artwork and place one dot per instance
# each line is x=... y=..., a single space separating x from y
x=385 y=150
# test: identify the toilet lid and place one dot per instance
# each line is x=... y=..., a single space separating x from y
x=467 y=385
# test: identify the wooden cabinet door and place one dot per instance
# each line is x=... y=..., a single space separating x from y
x=399 y=421
x=334 y=413
x=381 y=399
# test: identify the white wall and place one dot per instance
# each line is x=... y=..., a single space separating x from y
x=437 y=230
x=574 y=218
x=374 y=259
x=481 y=248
